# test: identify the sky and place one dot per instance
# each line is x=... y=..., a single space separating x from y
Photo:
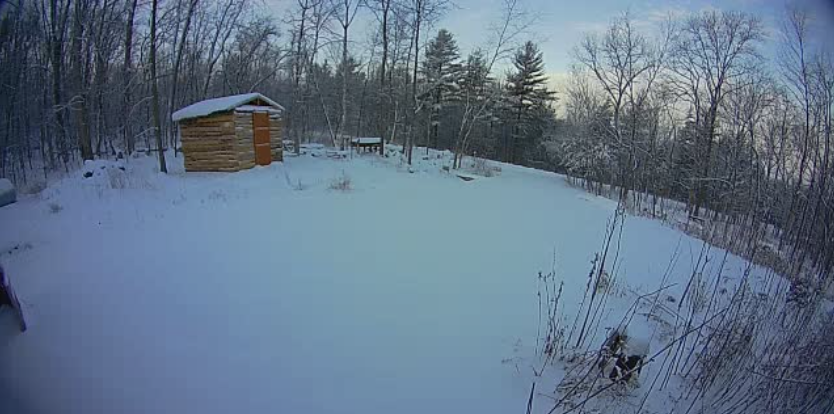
x=559 y=25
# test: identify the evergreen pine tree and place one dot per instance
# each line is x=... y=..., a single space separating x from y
x=442 y=71
x=529 y=99
x=353 y=85
x=475 y=76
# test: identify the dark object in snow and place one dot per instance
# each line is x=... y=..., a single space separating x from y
x=626 y=353
x=336 y=154
x=614 y=343
x=800 y=293
x=120 y=155
x=465 y=177
x=9 y=298
x=88 y=174
x=122 y=168
x=7 y=192
x=625 y=367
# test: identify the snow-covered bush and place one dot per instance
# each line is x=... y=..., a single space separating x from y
x=7 y=192
x=774 y=364
x=296 y=184
x=603 y=283
x=697 y=296
x=551 y=327
x=801 y=292
x=116 y=178
x=299 y=185
x=217 y=195
x=341 y=183
x=482 y=167
x=34 y=187
x=104 y=175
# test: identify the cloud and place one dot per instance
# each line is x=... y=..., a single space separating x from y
x=588 y=26
x=660 y=15
x=558 y=81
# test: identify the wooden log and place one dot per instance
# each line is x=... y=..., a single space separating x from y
x=208 y=141
x=207 y=149
x=213 y=118
x=213 y=164
x=216 y=160
x=198 y=147
x=214 y=132
x=206 y=137
x=220 y=124
x=208 y=133
x=207 y=122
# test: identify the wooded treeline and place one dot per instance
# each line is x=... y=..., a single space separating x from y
x=86 y=78
x=81 y=79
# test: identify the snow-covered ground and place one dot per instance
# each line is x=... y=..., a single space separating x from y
x=268 y=291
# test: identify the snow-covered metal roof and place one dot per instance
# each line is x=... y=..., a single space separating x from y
x=225 y=103
x=366 y=140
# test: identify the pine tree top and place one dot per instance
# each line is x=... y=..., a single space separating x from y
x=528 y=83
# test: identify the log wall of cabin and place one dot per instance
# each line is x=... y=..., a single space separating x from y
x=209 y=143
x=276 y=138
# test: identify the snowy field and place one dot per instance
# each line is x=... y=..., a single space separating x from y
x=266 y=291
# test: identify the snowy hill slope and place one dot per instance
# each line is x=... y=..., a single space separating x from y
x=268 y=291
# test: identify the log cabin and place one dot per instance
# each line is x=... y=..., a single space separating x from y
x=231 y=133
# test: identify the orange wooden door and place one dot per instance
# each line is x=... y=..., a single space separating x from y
x=263 y=152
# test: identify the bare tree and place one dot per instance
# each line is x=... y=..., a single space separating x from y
x=505 y=33
x=713 y=52
x=625 y=65
x=180 y=47
x=155 y=90
x=345 y=13
x=127 y=68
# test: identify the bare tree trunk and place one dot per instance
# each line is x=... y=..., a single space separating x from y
x=300 y=61
x=155 y=91
x=418 y=21
x=172 y=101
x=78 y=62
x=127 y=129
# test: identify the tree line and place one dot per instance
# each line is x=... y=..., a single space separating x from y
x=94 y=78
